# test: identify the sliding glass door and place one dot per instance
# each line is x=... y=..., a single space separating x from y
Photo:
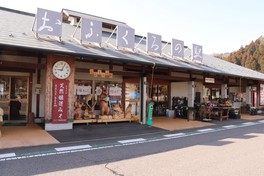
x=14 y=98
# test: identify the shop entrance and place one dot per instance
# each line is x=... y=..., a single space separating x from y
x=14 y=98
x=212 y=92
x=160 y=99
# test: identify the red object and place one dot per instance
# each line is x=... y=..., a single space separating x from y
x=60 y=101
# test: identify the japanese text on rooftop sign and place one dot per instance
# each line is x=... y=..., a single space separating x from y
x=60 y=101
x=177 y=48
x=49 y=22
x=125 y=37
x=197 y=52
x=154 y=43
x=91 y=30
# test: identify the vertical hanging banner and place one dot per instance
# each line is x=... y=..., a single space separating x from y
x=154 y=43
x=197 y=52
x=261 y=95
x=91 y=30
x=177 y=48
x=60 y=101
x=49 y=22
x=125 y=37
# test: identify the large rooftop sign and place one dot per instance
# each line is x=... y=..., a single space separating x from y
x=125 y=37
x=154 y=43
x=49 y=22
x=177 y=48
x=197 y=52
x=91 y=30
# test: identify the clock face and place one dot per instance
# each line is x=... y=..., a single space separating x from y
x=61 y=70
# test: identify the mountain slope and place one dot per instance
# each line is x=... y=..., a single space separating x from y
x=251 y=56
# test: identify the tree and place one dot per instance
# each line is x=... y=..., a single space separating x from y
x=261 y=46
x=250 y=56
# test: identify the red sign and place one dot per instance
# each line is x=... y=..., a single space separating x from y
x=60 y=101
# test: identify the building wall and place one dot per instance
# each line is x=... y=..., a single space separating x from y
x=234 y=89
x=25 y=59
x=180 y=89
x=42 y=93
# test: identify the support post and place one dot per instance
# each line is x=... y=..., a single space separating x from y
x=191 y=93
x=248 y=95
x=224 y=91
x=143 y=99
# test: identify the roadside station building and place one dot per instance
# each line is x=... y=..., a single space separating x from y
x=69 y=67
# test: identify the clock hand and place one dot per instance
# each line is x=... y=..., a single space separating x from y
x=63 y=66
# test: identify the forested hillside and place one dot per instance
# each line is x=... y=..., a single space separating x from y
x=250 y=56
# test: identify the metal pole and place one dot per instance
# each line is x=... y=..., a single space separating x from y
x=76 y=28
x=139 y=42
x=164 y=46
x=111 y=35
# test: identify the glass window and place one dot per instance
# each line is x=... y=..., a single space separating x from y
x=4 y=88
x=84 y=99
x=114 y=93
x=132 y=97
x=160 y=99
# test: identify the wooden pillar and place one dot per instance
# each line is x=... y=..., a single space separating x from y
x=38 y=82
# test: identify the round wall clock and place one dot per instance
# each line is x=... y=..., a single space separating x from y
x=61 y=70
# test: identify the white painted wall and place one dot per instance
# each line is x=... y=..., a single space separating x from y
x=180 y=89
x=42 y=94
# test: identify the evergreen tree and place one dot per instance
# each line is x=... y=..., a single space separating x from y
x=250 y=56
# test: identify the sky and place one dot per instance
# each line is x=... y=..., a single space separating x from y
x=220 y=26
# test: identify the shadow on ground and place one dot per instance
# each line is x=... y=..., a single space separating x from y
x=83 y=132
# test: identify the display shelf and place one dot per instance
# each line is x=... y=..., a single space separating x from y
x=116 y=120
x=85 y=121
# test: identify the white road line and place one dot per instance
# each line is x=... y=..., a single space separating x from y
x=205 y=130
x=131 y=140
x=229 y=126
x=81 y=148
x=174 y=135
x=249 y=123
x=261 y=121
x=72 y=148
x=7 y=155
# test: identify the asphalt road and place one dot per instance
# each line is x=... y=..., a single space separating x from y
x=223 y=150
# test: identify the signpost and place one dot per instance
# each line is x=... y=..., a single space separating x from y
x=60 y=101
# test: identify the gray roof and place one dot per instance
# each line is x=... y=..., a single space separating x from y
x=15 y=31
